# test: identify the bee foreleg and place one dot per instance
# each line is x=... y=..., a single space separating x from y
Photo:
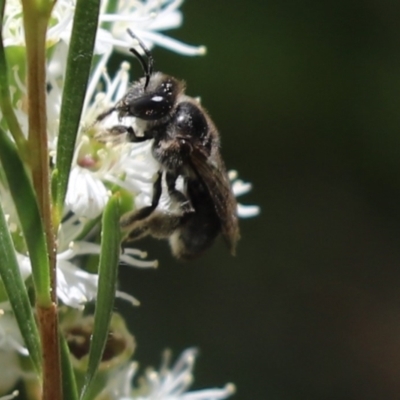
x=132 y=137
x=176 y=195
x=115 y=135
x=105 y=114
x=130 y=218
x=120 y=133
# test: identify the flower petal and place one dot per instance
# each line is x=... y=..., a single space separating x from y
x=86 y=195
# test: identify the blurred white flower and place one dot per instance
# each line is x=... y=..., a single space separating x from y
x=10 y=336
x=239 y=188
x=11 y=346
x=10 y=375
x=146 y=18
x=11 y=396
x=169 y=383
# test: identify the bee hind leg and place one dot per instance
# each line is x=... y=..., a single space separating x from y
x=127 y=220
x=158 y=225
x=140 y=230
x=176 y=195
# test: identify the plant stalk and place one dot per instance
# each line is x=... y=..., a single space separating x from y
x=36 y=18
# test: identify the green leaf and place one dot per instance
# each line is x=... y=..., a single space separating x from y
x=108 y=271
x=70 y=390
x=17 y=294
x=28 y=213
x=78 y=69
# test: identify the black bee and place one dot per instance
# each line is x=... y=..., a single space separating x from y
x=186 y=144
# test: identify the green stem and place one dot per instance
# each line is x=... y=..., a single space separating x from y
x=36 y=16
x=35 y=24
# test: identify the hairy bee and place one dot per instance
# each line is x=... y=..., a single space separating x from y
x=186 y=143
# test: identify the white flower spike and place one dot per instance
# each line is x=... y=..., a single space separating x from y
x=166 y=384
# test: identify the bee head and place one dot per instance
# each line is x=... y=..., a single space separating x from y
x=152 y=97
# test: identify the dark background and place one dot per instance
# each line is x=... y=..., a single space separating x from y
x=306 y=97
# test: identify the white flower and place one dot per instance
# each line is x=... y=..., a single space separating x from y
x=145 y=17
x=75 y=287
x=13 y=32
x=166 y=384
x=238 y=188
x=12 y=373
x=95 y=164
x=129 y=165
x=10 y=336
x=86 y=196
x=11 y=345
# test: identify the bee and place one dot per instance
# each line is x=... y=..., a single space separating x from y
x=187 y=145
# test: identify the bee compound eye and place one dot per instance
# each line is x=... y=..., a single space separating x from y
x=150 y=107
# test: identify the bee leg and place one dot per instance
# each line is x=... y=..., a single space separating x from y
x=105 y=114
x=115 y=135
x=130 y=218
x=119 y=134
x=140 y=230
x=158 y=225
x=176 y=195
x=118 y=130
x=132 y=137
x=128 y=130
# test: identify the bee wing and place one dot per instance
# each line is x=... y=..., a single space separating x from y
x=213 y=174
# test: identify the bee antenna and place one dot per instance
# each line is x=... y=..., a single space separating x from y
x=147 y=67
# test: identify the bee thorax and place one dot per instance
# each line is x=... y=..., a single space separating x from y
x=172 y=154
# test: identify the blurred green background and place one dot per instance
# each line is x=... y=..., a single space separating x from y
x=306 y=96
